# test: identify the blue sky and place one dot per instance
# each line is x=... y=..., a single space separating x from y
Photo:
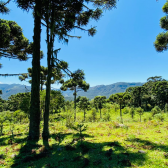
x=121 y=51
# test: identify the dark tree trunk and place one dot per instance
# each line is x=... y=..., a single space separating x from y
x=34 y=127
x=100 y=113
x=50 y=40
x=75 y=104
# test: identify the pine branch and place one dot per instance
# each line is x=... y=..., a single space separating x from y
x=12 y=74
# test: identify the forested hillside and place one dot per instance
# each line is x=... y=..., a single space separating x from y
x=103 y=90
x=11 y=89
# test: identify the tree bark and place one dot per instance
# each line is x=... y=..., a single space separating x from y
x=34 y=126
x=48 y=85
x=75 y=104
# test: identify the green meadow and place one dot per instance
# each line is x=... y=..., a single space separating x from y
x=102 y=144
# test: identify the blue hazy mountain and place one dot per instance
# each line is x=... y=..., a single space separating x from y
x=103 y=90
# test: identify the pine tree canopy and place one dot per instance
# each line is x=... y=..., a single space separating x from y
x=161 y=42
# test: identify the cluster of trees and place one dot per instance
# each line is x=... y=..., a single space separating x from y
x=151 y=96
x=59 y=18
x=21 y=101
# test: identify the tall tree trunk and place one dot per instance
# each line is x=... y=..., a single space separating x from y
x=75 y=104
x=48 y=85
x=34 y=127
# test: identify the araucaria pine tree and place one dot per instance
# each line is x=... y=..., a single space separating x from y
x=161 y=42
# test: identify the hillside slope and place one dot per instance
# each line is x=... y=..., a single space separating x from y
x=103 y=90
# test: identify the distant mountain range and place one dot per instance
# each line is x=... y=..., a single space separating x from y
x=103 y=90
x=11 y=89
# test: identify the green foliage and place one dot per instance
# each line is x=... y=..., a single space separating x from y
x=84 y=104
x=160 y=117
x=13 y=44
x=25 y=103
x=57 y=100
x=132 y=112
x=56 y=75
x=155 y=110
x=76 y=83
x=99 y=102
x=80 y=128
x=69 y=119
x=140 y=111
x=126 y=110
x=161 y=42
x=107 y=117
x=116 y=107
x=94 y=114
x=19 y=115
x=166 y=108
x=2 y=120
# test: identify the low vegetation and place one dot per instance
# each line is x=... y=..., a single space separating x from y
x=97 y=142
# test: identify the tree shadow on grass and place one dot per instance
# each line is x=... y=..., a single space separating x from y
x=146 y=144
x=8 y=140
x=79 y=155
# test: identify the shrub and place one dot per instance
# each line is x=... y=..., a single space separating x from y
x=132 y=112
x=107 y=117
x=155 y=110
x=2 y=120
x=69 y=119
x=80 y=128
x=140 y=111
x=160 y=117
x=94 y=114
x=126 y=110
x=166 y=108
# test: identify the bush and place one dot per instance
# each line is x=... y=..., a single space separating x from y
x=69 y=119
x=160 y=117
x=126 y=110
x=107 y=117
x=155 y=110
x=132 y=112
x=140 y=111
x=166 y=108
x=94 y=114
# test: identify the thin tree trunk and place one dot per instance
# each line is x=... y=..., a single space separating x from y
x=75 y=104
x=100 y=113
x=48 y=87
x=34 y=127
x=121 y=114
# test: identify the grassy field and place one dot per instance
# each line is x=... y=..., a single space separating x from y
x=105 y=145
